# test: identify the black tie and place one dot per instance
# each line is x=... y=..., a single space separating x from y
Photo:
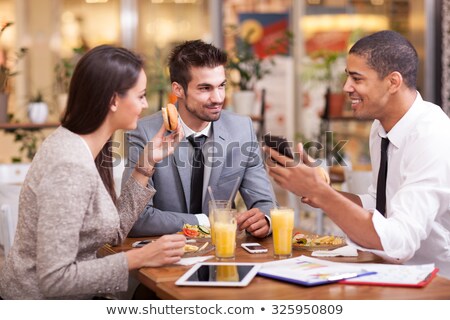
x=197 y=174
x=382 y=175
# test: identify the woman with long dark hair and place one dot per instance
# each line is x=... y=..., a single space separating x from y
x=68 y=207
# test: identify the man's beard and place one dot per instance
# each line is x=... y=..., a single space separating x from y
x=205 y=117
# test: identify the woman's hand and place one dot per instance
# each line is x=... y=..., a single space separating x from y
x=166 y=250
x=162 y=145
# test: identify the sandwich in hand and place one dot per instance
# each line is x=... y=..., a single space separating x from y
x=170 y=117
x=324 y=174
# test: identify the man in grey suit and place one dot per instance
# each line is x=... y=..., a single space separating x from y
x=231 y=150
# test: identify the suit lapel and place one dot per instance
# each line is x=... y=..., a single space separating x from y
x=182 y=163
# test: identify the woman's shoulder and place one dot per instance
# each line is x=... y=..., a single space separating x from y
x=63 y=149
x=66 y=145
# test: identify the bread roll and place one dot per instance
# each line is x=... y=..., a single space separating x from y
x=324 y=174
x=190 y=248
x=170 y=117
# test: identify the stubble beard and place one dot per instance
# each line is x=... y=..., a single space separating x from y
x=204 y=117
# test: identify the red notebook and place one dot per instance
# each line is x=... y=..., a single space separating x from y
x=397 y=276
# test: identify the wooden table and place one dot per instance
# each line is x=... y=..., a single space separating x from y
x=162 y=281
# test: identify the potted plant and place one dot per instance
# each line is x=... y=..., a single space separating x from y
x=158 y=79
x=63 y=74
x=37 y=109
x=335 y=97
x=245 y=67
x=326 y=69
x=29 y=140
x=6 y=72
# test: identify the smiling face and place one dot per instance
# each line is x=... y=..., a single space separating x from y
x=205 y=96
x=369 y=95
x=129 y=106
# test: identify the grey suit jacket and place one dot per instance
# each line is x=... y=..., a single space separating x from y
x=232 y=152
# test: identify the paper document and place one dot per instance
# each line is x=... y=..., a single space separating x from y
x=397 y=275
x=310 y=271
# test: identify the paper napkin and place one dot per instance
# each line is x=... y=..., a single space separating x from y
x=193 y=260
x=346 y=251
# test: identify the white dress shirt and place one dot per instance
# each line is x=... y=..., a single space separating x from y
x=416 y=229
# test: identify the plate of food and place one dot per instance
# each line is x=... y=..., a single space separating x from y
x=313 y=242
x=196 y=231
x=197 y=248
x=193 y=248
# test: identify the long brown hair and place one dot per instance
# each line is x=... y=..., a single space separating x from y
x=101 y=73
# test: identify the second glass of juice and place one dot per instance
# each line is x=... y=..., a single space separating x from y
x=282 y=228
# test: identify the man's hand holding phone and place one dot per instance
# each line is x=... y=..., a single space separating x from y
x=279 y=144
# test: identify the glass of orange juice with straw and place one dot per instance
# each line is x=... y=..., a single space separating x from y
x=215 y=204
x=225 y=233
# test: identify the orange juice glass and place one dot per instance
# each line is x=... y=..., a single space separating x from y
x=219 y=204
x=282 y=228
x=225 y=233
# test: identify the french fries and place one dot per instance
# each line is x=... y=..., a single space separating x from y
x=329 y=240
x=311 y=240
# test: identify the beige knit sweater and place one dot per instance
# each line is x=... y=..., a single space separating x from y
x=65 y=216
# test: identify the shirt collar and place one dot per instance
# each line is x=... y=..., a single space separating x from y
x=188 y=131
x=401 y=129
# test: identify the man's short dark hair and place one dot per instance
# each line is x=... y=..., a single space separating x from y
x=388 y=51
x=195 y=53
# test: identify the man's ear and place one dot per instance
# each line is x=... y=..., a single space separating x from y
x=177 y=89
x=395 y=81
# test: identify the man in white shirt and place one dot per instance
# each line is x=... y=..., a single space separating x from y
x=408 y=220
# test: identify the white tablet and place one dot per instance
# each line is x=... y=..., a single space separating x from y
x=219 y=274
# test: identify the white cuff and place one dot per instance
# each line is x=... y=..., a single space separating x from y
x=203 y=219
x=269 y=221
x=378 y=219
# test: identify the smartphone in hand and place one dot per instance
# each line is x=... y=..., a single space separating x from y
x=279 y=144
